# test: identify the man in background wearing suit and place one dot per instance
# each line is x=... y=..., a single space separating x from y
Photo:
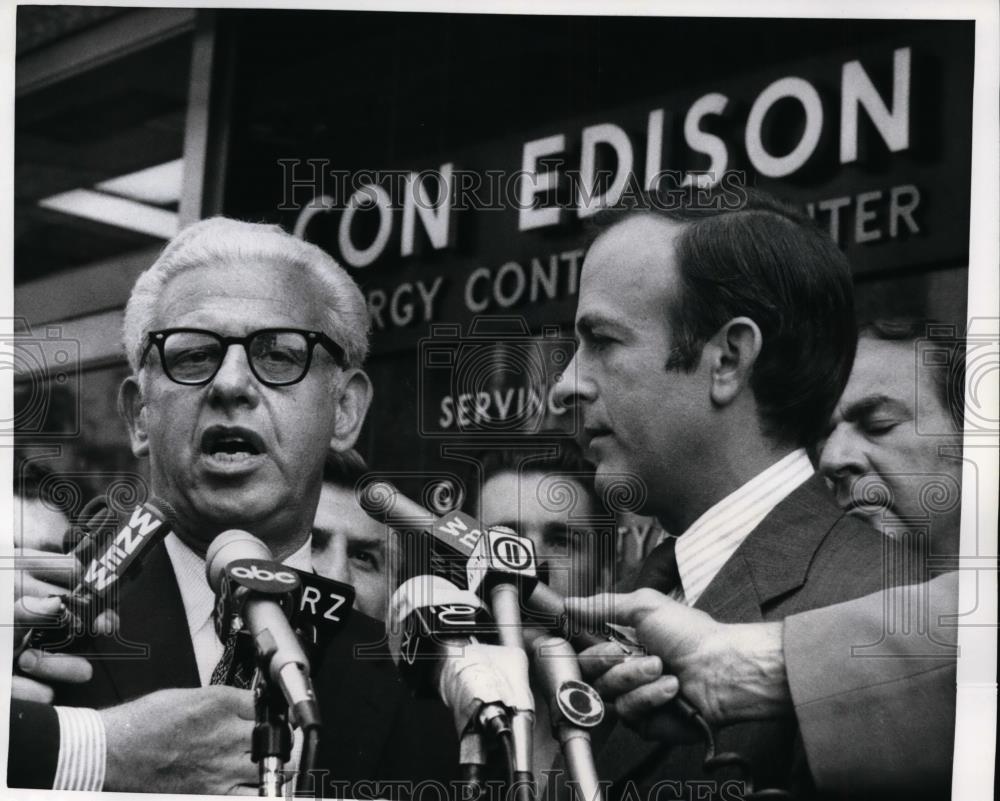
x=246 y=347
x=714 y=342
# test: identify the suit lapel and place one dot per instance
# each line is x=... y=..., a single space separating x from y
x=771 y=562
x=154 y=650
x=774 y=559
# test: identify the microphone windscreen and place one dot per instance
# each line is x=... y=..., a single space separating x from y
x=228 y=546
x=382 y=501
x=161 y=508
x=422 y=591
x=418 y=597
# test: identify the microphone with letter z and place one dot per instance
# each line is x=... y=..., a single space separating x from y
x=250 y=585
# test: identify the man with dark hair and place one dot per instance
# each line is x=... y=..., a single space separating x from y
x=768 y=262
x=347 y=544
x=893 y=449
x=713 y=346
x=875 y=702
x=551 y=500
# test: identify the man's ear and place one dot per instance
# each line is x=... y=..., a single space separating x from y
x=132 y=408
x=352 y=406
x=733 y=351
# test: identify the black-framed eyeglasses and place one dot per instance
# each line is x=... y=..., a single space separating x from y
x=277 y=357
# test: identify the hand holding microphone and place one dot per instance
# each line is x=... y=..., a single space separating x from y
x=36 y=669
x=436 y=633
x=109 y=556
x=710 y=660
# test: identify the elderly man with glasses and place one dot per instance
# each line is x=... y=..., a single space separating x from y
x=246 y=347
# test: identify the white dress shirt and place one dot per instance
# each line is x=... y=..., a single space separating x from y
x=713 y=538
x=199 y=600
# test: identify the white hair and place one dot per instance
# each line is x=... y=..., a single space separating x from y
x=223 y=240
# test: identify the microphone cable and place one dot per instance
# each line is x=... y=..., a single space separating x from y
x=519 y=784
x=307 y=762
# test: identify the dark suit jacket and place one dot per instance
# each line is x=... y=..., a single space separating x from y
x=805 y=554
x=373 y=729
x=34 y=745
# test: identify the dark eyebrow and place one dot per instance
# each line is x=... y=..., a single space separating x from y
x=588 y=322
x=365 y=542
x=556 y=529
x=873 y=403
x=352 y=541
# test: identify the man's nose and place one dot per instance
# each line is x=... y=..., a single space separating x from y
x=572 y=387
x=235 y=381
x=842 y=455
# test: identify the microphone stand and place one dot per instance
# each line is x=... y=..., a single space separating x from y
x=472 y=761
x=271 y=743
x=507 y=611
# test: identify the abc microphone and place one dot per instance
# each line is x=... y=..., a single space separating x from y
x=247 y=582
x=575 y=708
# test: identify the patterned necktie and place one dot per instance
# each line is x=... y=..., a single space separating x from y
x=659 y=569
x=236 y=667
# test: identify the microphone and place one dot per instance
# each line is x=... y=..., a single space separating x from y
x=574 y=706
x=453 y=537
x=250 y=585
x=446 y=546
x=435 y=631
x=502 y=566
x=89 y=530
x=110 y=563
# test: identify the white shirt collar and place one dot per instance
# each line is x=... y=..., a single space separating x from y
x=713 y=538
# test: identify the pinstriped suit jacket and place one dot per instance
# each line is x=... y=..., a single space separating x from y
x=805 y=554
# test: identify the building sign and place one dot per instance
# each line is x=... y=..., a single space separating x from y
x=457 y=187
x=857 y=141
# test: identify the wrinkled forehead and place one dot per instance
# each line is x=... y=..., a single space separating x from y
x=888 y=368
x=239 y=296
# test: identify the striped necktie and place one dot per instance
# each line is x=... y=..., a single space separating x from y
x=236 y=667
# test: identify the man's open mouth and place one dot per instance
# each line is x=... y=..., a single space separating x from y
x=231 y=443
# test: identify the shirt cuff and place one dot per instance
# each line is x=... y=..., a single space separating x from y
x=83 y=750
